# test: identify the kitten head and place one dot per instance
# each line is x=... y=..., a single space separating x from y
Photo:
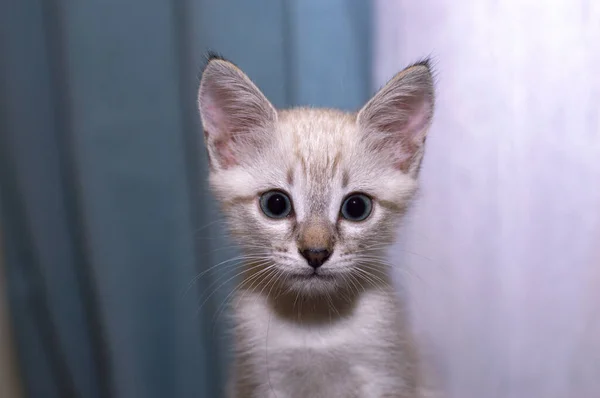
x=314 y=196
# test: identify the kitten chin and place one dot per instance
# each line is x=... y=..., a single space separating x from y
x=314 y=197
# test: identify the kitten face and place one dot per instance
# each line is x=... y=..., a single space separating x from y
x=313 y=196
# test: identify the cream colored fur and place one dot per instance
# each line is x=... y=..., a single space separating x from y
x=344 y=334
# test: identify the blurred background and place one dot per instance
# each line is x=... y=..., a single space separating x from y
x=106 y=225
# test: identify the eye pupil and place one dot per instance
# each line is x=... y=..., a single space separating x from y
x=356 y=207
x=277 y=204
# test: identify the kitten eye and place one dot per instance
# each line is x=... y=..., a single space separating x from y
x=357 y=207
x=275 y=204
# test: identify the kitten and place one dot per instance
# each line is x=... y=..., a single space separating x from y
x=313 y=197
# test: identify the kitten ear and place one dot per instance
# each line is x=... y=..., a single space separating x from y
x=236 y=116
x=397 y=118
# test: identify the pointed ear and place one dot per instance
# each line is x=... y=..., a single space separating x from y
x=236 y=116
x=395 y=121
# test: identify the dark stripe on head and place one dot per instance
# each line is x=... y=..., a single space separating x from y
x=345 y=178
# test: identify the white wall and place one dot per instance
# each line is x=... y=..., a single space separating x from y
x=504 y=243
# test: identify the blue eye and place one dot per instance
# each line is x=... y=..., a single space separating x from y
x=357 y=207
x=275 y=204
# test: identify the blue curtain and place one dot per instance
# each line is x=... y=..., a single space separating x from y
x=105 y=213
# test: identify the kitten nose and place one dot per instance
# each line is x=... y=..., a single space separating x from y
x=315 y=257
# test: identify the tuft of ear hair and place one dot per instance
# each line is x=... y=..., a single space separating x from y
x=396 y=120
x=212 y=55
x=236 y=116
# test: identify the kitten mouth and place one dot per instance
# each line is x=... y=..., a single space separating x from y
x=313 y=281
x=313 y=275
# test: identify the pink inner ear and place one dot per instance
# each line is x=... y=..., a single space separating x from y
x=225 y=153
x=405 y=155
x=217 y=131
x=399 y=128
x=215 y=120
x=396 y=119
x=414 y=128
x=235 y=114
x=411 y=133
